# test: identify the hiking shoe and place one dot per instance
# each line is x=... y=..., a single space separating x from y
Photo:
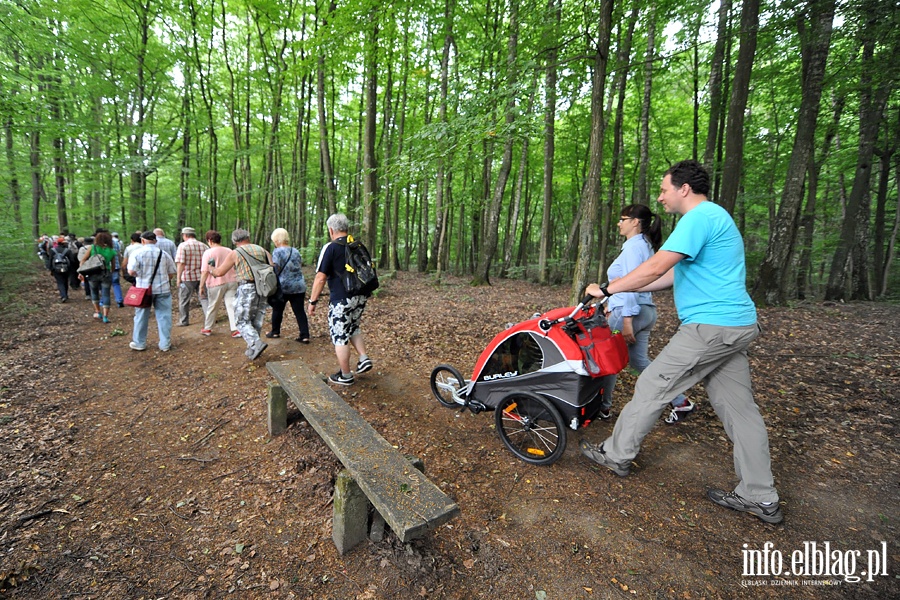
x=770 y=512
x=680 y=413
x=341 y=379
x=235 y=334
x=257 y=349
x=134 y=346
x=596 y=453
x=364 y=365
x=206 y=332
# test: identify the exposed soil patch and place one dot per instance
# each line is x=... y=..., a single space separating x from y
x=151 y=475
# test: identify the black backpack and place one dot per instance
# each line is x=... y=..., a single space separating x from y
x=359 y=276
x=60 y=262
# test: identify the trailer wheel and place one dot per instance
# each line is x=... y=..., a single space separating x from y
x=447 y=385
x=531 y=428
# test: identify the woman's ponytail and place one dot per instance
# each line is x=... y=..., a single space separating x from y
x=654 y=232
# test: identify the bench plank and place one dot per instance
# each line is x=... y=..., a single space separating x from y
x=409 y=502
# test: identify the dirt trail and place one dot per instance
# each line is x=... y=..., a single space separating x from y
x=151 y=475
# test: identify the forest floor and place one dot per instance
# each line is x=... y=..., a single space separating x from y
x=151 y=475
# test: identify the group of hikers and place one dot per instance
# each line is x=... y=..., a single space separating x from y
x=216 y=275
x=703 y=260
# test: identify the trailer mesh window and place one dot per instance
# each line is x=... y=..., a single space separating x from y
x=518 y=355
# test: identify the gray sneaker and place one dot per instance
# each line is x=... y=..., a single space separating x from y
x=596 y=453
x=768 y=512
x=258 y=348
x=134 y=346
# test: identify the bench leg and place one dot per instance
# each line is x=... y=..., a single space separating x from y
x=376 y=531
x=351 y=513
x=277 y=419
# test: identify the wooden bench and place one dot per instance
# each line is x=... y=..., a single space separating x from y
x=375 y=471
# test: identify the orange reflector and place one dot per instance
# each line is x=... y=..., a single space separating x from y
x=510 y=408
x=535 y=451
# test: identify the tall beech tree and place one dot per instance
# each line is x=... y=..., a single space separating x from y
x=773 y=284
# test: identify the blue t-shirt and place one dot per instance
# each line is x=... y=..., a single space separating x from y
x=332 y=260
x=635 y=251
x=711 y=281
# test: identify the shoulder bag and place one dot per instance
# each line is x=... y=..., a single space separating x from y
x=263 y=274
x=143 y=297
x=93 y=266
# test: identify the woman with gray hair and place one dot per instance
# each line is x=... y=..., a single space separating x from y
x=293 y=287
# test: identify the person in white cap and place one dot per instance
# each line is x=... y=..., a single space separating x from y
x=188 y=261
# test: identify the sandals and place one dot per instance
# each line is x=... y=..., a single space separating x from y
x=273 y=335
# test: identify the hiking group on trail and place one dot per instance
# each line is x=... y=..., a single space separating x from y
x=247 y=280
x=702 y=259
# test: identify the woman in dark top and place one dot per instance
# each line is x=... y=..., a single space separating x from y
x=293 y=286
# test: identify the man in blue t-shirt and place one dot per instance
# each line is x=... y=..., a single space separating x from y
x=704 y=260
x=344 y=311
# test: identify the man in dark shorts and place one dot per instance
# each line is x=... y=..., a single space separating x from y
x=344 y=312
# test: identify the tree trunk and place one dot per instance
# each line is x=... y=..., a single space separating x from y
x=517 y=192
x=740 y=90
x=401 y=132
x=644 y=141
x=590 y=197
x=330 y=188
x=370 y=174
x=37 y=186
x=553 y=6
x=715 y=86
x=492 y=216
x=209 y=102
x=808 y=221
x=442 y=146
x=885 y=157
x=8 y=123
x=775 y=274
x=854 y=231
x=59 y=172
x=139 y=109
x=892 y=241
x=184 y=179
x=620 y=84
x=14 y=200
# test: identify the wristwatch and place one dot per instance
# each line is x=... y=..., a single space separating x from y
x=313 y=302
x=605 y=291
